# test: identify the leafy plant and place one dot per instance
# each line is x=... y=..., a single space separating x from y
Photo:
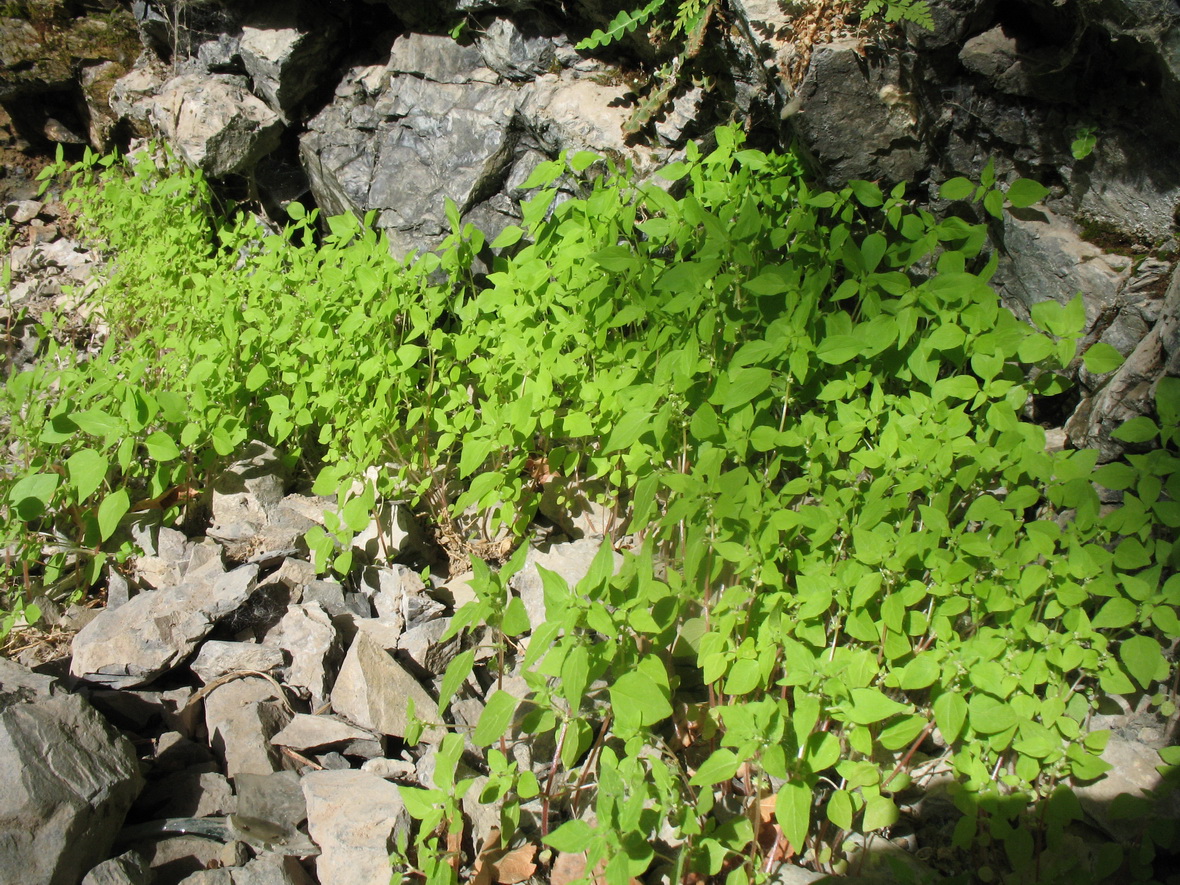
x=846 y=555
x=1084 y=140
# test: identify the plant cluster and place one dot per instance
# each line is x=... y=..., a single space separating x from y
x=847 y=556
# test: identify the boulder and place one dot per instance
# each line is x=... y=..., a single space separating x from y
x=355 y=818
x=373 y=691
x=155 y=631
x=287 y=48
x=69 y=779
x=241 y=717
x=215 y=123
x=217 y=657
x=129 y=868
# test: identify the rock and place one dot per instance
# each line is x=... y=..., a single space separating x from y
x=217 y=657
x=129 y=868
x=568 y=507
x=241 y=717
x=1133 y=773
x=393 y=769
x=272 y=869
x=570 y=561
x=333 y=598
x=155 y=631
x=789 y=874
x=1031 y=72
x=391 y=533
x=175 y=752
x=131 y=96
x=309 y=637
x=437 y=59
x=215 y=124
x=97 y=82
x=373 y=690
x=271 y=808
x=287 y=48
x=186 y=794
x=422 y=646
x=173 y=860
x=842 y=94
x=355 y=818
x=389 y=588
x=22 y=211
x=1130 y=392
x=250 y=489
x=1045 y=259
x=512 y=55
x=69 y=779
x=306 y=732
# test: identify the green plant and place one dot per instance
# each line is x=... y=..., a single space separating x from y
x=1084 y=140
x=840 y=538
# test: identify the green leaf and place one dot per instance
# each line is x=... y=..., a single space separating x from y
x=572 y=837
x=839 y=349
x=161 y=447
x=509 y=236
x=516 y=618
x=32 y=494
x=575 y=676
x=870 y=705
x=1024 y=192
x=1117 y=612
x=1102 y=358
x=112 y=509
x=628 y=430
x=956 y=189
x=88 y=470
x=950 y=713
x=1141 y=429
x=495 y=719
x=636 y=697
x=792 y=810
x=1144 y=660
x=840 y=809
x=456 y=674
x=721 y=766
x=919 y=673
x=879 y=812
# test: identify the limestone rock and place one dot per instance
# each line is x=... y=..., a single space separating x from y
x=154 y=632
x=128 y=868
x=215 y=124
x=373 y=689
x=69 y=778
x=354 y=817
x=305 y=732
x=287 y=51
x=571 y=561
x=217 y=657
x=241 y=717
x=248 y=490
x=309 y=637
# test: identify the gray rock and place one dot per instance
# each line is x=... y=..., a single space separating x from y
x=177 y=858
x=1046 y=259
x=389 y=589
x=154 y=632
x=272 y=804
x=306 y=732
x=217 y=657
x=251 y=488
x=571 y=561
x=129 y=868
x=392 y=532
x=842 y=94
x=69 y=779
x=287 y=50
x=373 y=690
x=215 y=124
x=569 y=507
x=176 y=752
x=132 y=95
x=512 y=55
x=307 y=634
x=333 y=598
x=272 y=869
x=421 y=645
x=22 y=211
x=435 y=58
x=241 y=717
x=393 y=769
x=186 y=794
x=354 y=817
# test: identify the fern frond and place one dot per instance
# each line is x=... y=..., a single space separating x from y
x=623 y=24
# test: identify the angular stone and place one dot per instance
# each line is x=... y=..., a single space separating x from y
x=217 y=657
x=241 y=717
x=251 y=488
x=422 y=645
x=215 y=124
x=132 y=94
x=186 y=794
x=272 y=869
x=286 y=52
x=373 y=689
x=153 y=632
x=307 y=634
x=435 y=58
x=22 y=211
x=272 y=806
x=841 y=94
x=306 y=732
x=129 y=868
x=69 y=779
x=513 y=55
x=354 y=817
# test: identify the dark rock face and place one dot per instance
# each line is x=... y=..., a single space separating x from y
x=69 y=779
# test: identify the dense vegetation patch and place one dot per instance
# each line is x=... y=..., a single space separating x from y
x=846 y=551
